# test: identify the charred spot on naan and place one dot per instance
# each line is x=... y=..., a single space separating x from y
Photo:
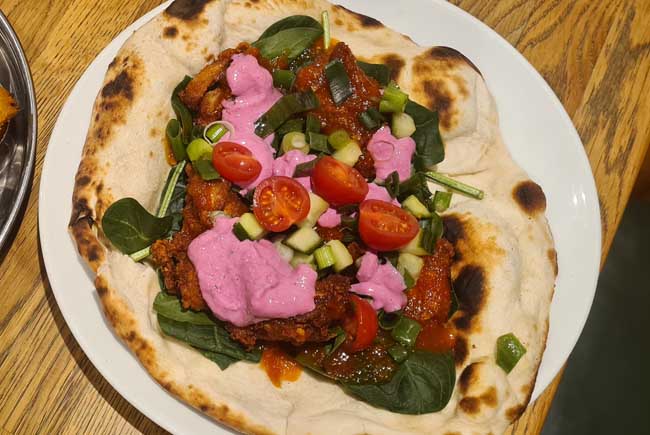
x=530 y=197
x=470 y=288
x=461 y=349
x=472 y=405
x=552 y=256
x=170 y=32
x=454 y=228
x=515 y=412
x=186 y=10
x=395 y=63
x=451 y=57
x=363 y=21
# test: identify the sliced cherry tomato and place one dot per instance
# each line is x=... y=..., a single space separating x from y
x=235 y=162
x=435 y=337
x=280 y=202
x=338 y=183
x=384 y=226
x=363 y=329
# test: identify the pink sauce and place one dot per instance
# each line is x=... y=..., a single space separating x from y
x=379 y=192
x=246 y=282
x=391 y=154
x=254 y=94
x=329 y=219
x=286 y=164
x=382 y=282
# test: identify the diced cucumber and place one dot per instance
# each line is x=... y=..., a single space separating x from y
x=349 y=154
x=299 y=258
x=295 y=140
x=414 y=246
x=248 y=222
x=285 y=252
x=197 y=148
x=410 y=263
x=415 y=207
x=342 y=257
x=305 y=240
x=317 y=206
x=324 y=257
x=402 y=125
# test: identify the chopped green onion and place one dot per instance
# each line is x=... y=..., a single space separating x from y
x=197 y=148
x=409 y=281
x=339 y=139
x=455 y=185
x=338 y=80
x=431 y=232
x=441 y=201
x=283 y=78
x=406 y=331
x=240 y=232
x=205 y=169
x=305 y=169
x=296 y=124
x=166 y=198
x=174 y=137
x=377 y=71
x=294 y=141
x=326 y=29
x=398 y=353
x=388 y=321
x=338 y=341
x=371 y=118
x=509 y=352
x=415 y=185
x=183 y=114
x=402 y=125
x=283 y=109
x=429 y=148
x=215 y=132
x=312 y=124
x=324 y=257
x=393 y=99
x=141 y=254
x=318 y=142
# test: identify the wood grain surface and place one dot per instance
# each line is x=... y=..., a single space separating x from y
x=594 y=54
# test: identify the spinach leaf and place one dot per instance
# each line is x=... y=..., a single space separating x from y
x=290 y=42
x=170 y=307
x=199 y=330
x=223 y=361
x=377 y=71
x=130 y=227
x=290 y=23
x=429 y=148
x=415 y=185
x=183 y=114
x=423 y=384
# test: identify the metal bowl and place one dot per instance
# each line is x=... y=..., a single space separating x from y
x=18 y=146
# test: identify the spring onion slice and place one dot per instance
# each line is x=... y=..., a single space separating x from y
x=326 y=29
x=393 y=99
x=398 y=353
x=216 y=130
x=388 y=321
x=371 y=118
x=406 y=331
x=441 y=201
x=318 y=142
x=282 y=110
x=205 y=169
x=509 y=352
x=305 y=169
x=296 y=124
x=283 y=78
x=339 y=81
x=183 y=114
x=458 y=186
x=164 y=205
x=339 y=139
x=431 y=231
x=312 y=124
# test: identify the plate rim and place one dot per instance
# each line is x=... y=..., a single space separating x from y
x=30 y=146
x=591 y=187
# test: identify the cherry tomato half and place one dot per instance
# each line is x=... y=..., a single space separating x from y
x=235 y=162
x=363 y=330
x=280 y=202
x=338 y=183
x=384 y=226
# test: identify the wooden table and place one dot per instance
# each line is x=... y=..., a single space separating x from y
x=595 y=55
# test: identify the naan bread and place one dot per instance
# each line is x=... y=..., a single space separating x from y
x=505 y=266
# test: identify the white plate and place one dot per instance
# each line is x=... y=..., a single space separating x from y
x=535 y=127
